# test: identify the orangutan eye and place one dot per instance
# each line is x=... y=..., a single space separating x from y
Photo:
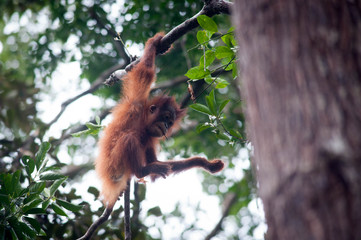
x=152 y=108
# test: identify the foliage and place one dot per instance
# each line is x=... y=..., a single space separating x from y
x=226 y=54
x=28 y=193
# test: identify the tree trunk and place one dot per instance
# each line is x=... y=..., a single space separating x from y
x=300 y=65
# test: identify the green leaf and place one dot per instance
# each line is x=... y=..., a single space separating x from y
x=43 y=166
x=31 y=233
x=227 y=39
x=223 y=136
x=42 y=233
x=13 y=234
x=36 y=211
x=202 y=37
x=209 y=79
x=92 y=126
x=58 y=209
x=201 y=108
x=31 y=205
x=228 y=62
x=46 y=192
x=94 y=191
x=223 y=52
x=202 y=127
x=51 y=176
x=234 y=70
x=223 y=104
x=37 y=187
x=5 y=200
x=45 y=204
x=97 y=120
x=2 y=232
x=156 y=211
x=95 y=131
x=235 y=133
x=221 y=83
x=15 y=225
x=29 y=198
x=29 y=164
x=197 y=73
x=207 y=23
x=56 y=185
x=40 y=155
x=55 y=167
x=16 y=182
x=69 y=206
x=210 y=57
x=81 y=133
x=8 y=184
x=34 y=223
x=211 y=102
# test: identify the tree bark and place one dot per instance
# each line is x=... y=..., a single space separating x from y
x=300 y=64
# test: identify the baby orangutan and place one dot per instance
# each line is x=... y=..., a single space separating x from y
x=128 y=145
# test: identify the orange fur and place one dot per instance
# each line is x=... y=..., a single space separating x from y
x=128 y=145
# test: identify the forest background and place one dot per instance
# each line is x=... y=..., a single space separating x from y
x=53 y=51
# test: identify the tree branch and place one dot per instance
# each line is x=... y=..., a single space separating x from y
x=210 y=8
x=96 y=224
x=127 y=229
x=228 y=203
x=121 y=49
x=95 y=86
x=65 y=135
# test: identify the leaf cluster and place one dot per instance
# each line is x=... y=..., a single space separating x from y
x=29 y=193
x=226 y=54
x=93 y=129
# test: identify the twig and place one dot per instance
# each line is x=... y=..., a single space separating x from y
x=97 y=223
x=127 y=231
x=197 y=86
x=185 y=52
x=217 y=75
x=121 y=49
x=67 y=135
x=95 y=86
x=228 y=203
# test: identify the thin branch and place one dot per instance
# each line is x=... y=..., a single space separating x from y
x=100 y=80
x=217 y=75
x=185 y=52
x=96 y=224
x=127 y=231
x=95 y=86
x=210 y=8
x=197 y=85
x=227 y=204
x=136 y=206
x=170 y=83
x=119 y=46
x=68 y=134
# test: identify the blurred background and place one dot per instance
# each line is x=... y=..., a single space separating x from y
x=53 y=51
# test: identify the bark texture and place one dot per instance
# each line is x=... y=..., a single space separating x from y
x=300 y=64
